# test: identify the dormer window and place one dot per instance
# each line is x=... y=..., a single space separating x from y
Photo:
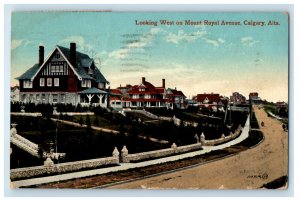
x=141 y=89
x=90 y=71
x=86 y=83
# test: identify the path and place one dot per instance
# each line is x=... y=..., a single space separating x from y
x=247 y=170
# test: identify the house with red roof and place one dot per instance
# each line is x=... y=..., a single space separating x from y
x=209 y=100
x=144 y=94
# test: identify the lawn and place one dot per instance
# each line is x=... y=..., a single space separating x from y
x=78 y=143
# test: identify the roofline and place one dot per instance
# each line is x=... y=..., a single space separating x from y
x=48 y=57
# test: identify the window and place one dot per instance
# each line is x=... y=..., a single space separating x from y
x=43 y=97
x=31 y=98
x=56 y=82
x=55 y=98
x=62 y=98
x=61 y=69
x=57 y=56
x=37 y=97
x=27 y=84
x=49 y=82
x=135 y=96
x=101 y=85
x=86 y=83
x=42 y=82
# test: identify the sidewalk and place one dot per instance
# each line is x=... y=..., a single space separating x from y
x=127 y=166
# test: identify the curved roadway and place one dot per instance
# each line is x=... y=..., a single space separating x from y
x=249 y=169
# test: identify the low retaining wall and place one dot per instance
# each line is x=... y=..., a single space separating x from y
x=28 y=172
x=26 y=142
x=176 y=120
x=222 y=139
x=125 y=157
x=25 y=147
x=38 y=114
x=33 y=114
x=74 y=113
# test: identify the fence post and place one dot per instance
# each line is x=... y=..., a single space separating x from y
x=202 y=138
x=48 y=164
x=116 y=154
x=13 y=130
x=174 y=147
x=124 y=155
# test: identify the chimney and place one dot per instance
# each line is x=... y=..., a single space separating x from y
x=163 y=83
x=73 y=54
x=41 y=55
x=143 y=80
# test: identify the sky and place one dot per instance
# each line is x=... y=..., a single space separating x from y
x=203 y=57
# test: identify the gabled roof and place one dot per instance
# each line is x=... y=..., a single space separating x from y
x=92 y=90
x=149 y=89
x=82 y=61
x=210 y=97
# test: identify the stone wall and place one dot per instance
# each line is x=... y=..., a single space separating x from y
x=26 y=142
x=31 y=114
x=221 y=140
x=158 y=153
x=48 y=168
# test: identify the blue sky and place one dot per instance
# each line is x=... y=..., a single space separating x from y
x=193 y=58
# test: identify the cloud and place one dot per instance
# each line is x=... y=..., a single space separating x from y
x=210 y=41
x=17 y=43
x=215 y=43
x=139 y=43
x=182 y=36
x=221 y=40
x=248 y=41
x=80 y=43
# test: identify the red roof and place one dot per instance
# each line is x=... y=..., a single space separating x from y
x=160 y=90
x=113 y=98
x=210 y=97
x=143 y=99
x=177 y=93
x=115 y=91
x=144 y=88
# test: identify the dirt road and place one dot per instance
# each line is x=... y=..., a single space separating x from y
x=249 y=169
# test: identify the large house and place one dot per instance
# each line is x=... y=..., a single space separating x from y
x=146 y=94
x=210 y=100
x=237 y=98
x=65 y=76
x=175 y=98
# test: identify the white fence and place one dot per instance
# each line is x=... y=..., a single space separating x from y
x=22 y=173
x=222 y=139
x=125 y=157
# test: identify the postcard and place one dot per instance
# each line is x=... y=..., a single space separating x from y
x=149 y=100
